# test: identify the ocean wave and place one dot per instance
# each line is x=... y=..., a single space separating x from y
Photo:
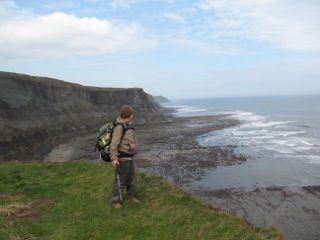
x=276 y=148
x=191 y=109
x=184 y=109
x=265 y=124
x=244 y=116
x=175 y=106
x=256 y=131
x=307 y=143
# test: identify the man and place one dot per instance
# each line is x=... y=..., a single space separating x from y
x=122 y=149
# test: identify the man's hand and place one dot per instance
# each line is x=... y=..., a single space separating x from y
x=115 y=163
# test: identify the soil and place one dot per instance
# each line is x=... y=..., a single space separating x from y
x=32 y=210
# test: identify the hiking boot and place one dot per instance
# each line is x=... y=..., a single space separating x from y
x=117 y=205
x=134 y=200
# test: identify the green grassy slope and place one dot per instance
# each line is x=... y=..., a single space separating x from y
x=72 y=201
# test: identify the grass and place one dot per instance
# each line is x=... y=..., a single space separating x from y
x=72 y=201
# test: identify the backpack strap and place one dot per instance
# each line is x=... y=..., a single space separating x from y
x=124 y=129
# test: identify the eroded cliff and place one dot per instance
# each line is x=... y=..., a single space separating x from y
x=37 y=113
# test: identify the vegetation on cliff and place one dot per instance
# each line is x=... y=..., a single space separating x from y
x=71 y=201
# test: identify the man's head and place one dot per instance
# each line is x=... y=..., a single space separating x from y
x=126 y=112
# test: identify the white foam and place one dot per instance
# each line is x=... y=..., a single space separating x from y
x=278 y=149
x=303 y=148
x=176 y=106
x=284 y=142
x=245 y=116
x=191 y=109
x=184 y=109
x=280 y=137
x=292 y=133
x=307 y=143
x=263 y=124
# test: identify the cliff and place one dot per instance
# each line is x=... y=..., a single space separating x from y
x=161 y=99
x=36 y=113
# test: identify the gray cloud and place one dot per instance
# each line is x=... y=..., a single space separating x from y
x=287 y=24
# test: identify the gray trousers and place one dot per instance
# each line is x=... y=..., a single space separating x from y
x=127 y=181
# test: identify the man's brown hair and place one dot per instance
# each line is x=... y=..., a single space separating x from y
x=126 y=111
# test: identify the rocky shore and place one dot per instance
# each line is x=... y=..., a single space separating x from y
x=172 y=151
x=167 y=147
x=295 y=210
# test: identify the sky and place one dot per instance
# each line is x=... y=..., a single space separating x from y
x=174 y=48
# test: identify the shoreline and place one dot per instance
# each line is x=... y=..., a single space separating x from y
x=172 y=151
x=282 y=206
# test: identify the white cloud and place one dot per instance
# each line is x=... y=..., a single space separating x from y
x=174 y=17
x=25 y=34
x=287 y=24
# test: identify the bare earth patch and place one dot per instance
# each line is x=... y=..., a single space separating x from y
x=21 y=210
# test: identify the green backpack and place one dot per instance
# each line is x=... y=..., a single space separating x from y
x=104 y=137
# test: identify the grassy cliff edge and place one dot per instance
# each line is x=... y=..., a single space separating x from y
x=72 y=201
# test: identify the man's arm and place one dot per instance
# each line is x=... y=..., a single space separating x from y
x=116 y=138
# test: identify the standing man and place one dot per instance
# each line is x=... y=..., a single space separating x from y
x=122 y=149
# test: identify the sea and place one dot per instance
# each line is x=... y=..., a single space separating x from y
x=279 y=135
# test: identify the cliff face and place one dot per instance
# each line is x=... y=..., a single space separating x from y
x=161 y=99
x=36 y=113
